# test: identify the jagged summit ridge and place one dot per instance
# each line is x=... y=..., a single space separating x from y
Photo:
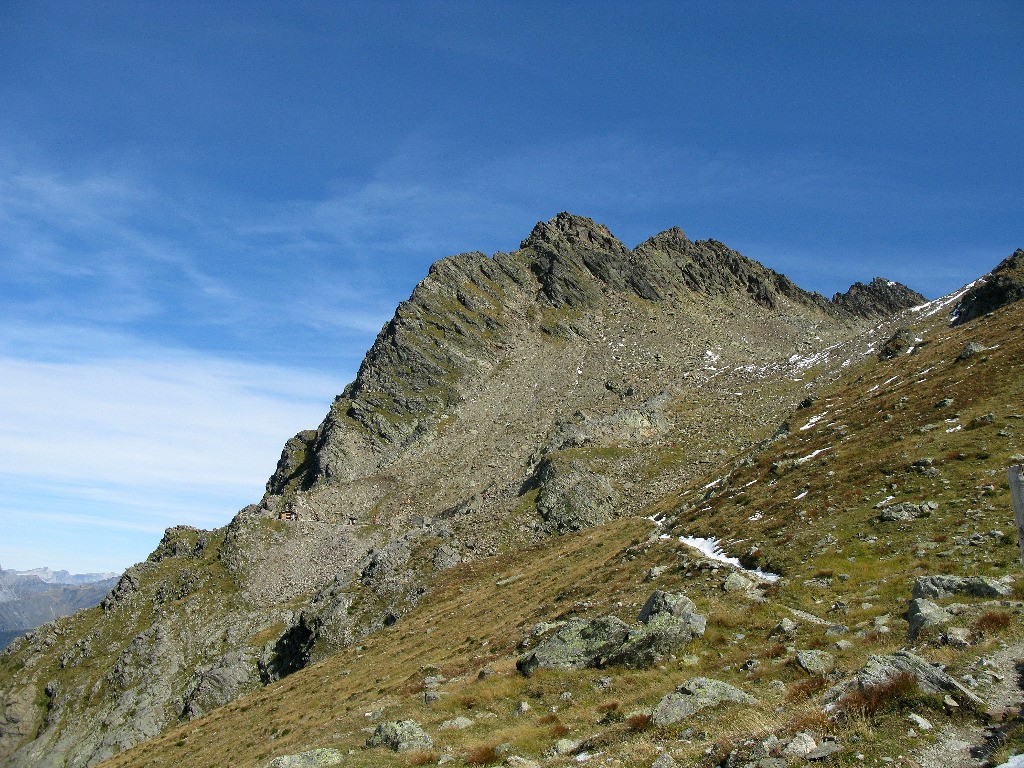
x=471 y=307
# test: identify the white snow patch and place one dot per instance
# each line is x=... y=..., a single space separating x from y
x=873 y=388
x=957 y=428
x=800 y=495
x=1015 y=761
x=755 y=517
x=812 y=454
x=712 y=550
x=750 y=483
x=934 y=307
x=814 y=420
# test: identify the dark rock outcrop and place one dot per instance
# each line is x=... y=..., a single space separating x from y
x=878 y=298
x=1002 y=286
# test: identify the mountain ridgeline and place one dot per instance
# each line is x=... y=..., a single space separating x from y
x=511 y=399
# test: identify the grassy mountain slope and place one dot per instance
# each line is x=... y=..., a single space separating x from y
x=805 y=505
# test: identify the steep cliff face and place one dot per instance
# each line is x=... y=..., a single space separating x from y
x=510 y=398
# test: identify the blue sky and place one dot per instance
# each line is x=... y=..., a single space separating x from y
x=210 y=208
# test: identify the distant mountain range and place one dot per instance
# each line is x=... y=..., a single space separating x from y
x=33 y=597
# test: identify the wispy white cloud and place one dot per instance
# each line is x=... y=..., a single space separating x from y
x=130 y=436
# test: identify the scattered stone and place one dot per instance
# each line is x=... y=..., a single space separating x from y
x=924 y=614
x=664 y=760
x=945 y=402
x=315 y=758
x=973 y=348
x=484 y=673
x=400 y=736
x=843 y=645
x=836 y=629
x=563 y=747
x=975 y=586
x=919 y=721
x=456 y=724
x=800 y=745
x=515 y=761
x=958 y=637
x=823 y=750
x=785 y=628
x=816 y=662
x=522 y=707
x=695 y=695
x=430 y=697
x=734 y=582
x=905 y=511
x=655 y=572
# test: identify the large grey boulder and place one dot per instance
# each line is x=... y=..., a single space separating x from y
x=661 y=635
x=882 y=669
x=315 y=758
x=975 y=586
x=670 y=621
x=580 y=643
x=695 y=695
x=925 y=615
x=400 y=736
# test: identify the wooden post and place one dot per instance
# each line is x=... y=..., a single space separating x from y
x=1017 y=491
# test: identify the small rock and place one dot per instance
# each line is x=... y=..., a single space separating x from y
x=919 y=721
x=734 y=582
x=664 y=760
x=816 y=662
x=785 y=628
x=522 y=707
x=958 y=637
x=823 y=750
x=655 y=572
x=315 y=758
x=800 y=745
x=484 y=673
x=976 y=586
x=904 y=511
x=456 y=724
x=843 y=645
x=563 y=747
x=429 y=697
x=973 y=348
x=515 y=761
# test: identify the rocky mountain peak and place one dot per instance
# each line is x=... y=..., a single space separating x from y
x=569 y=230
x=877 y=298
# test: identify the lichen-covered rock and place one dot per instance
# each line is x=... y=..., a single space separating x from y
x=670 y=621
x=1003 y=285
x=816 y=662
x=924 y=615
x=580 y=643
x=314 y=758
x=673 y=603
x=975 y=586
x=400 y=736
x=695 y=695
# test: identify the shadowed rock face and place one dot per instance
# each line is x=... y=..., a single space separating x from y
x=878 y=298
x=1002 y=286
x=505 y=401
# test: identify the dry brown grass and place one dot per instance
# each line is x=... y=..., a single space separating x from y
x=895 y=694
x=483 y=754
x=992 y=621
